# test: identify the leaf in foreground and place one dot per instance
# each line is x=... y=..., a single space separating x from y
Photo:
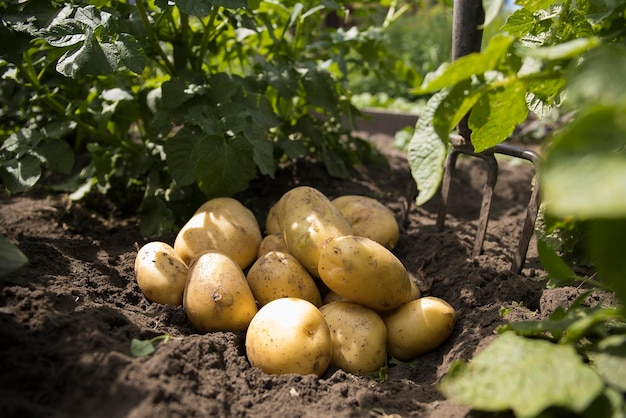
x=523 y=375
x=11 y=258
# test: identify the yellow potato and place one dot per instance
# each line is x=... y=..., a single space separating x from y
x=217 y=296
x=309 y=221
x=271 y=221
x=273 y=242
x=369 y=218
x=278 y=275
x=418 y=327
x=289 y=335
x=221 y=224
x=358 y=335
x=160 y=273
x=415 y=291
x=332 y=297
x=365 y=272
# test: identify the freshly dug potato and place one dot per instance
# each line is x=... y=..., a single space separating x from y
x=273 y=242
x=217 y=296
x=289 y=335
x=278 y=275
x=415 y=291
x=221 y=224
x=309 y=221
x=271 y=221
x=160 y=273
x=358 y=335
x=369 y=218
x=332 y=297
x=365 y=272
x=418 y=327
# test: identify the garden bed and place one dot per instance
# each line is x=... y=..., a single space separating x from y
x=68 y=317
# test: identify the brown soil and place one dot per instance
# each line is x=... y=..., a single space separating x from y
x=68 y=317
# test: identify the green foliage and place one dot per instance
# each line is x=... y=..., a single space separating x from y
x=141 y=348
x=494 y=380
x=548 y=54
x=11 y=258
x=528 y=66
x=177 y=102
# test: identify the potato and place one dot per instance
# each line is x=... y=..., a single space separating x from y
x=274 y=242
x=418 y=327
x=278 y=275
x=369 y=218
x=221 y=224
x=332 y=297
x=415 y=291
x=309 y=221
x=358 y=335
x=289 y=335
x=160 y=273
x=217 y=296
x=365 y=272
x=271 y=221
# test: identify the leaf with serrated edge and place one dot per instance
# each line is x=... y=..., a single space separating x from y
x=524 y=375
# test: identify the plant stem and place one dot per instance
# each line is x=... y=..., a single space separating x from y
x=152 y=36
x=204 y=43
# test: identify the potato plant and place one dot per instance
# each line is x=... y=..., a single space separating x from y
x=372 y=310
x=177 y=102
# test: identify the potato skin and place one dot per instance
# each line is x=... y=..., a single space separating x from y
x=359 y=337
x=221 y=224
x=277 y=275
x=308 y=221
x=365 y=272
x=160 y=273
x=217 y=296
x=369 y=218
x=289 y=335
x=273 y=242
x=418 y=327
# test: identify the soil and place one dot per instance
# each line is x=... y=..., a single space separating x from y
x=68 y=317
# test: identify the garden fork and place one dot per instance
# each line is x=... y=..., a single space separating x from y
x=468 y=17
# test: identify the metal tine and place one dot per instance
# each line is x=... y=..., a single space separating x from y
x=488 y=156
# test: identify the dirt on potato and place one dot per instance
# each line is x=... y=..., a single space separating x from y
x=67 y=318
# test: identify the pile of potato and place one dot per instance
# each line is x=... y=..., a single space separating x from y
x=321 y=288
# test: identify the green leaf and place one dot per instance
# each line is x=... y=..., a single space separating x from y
x=565 y=50
x=586 y=186
x=226 y=167
x=609 y=360
x=454 y=106
x=523 y=375
x=519 y=23
x=58 y=155
x=11 y=258
x=130 y=52
x=558 y=270
x=21 y=174
x=184 y=151
x=469 y=65
x=64 y=33
x=605 y=247
x=200 y=8
x=427 y=152
x=496 y=114
x=155 y=218
x=140 y=348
